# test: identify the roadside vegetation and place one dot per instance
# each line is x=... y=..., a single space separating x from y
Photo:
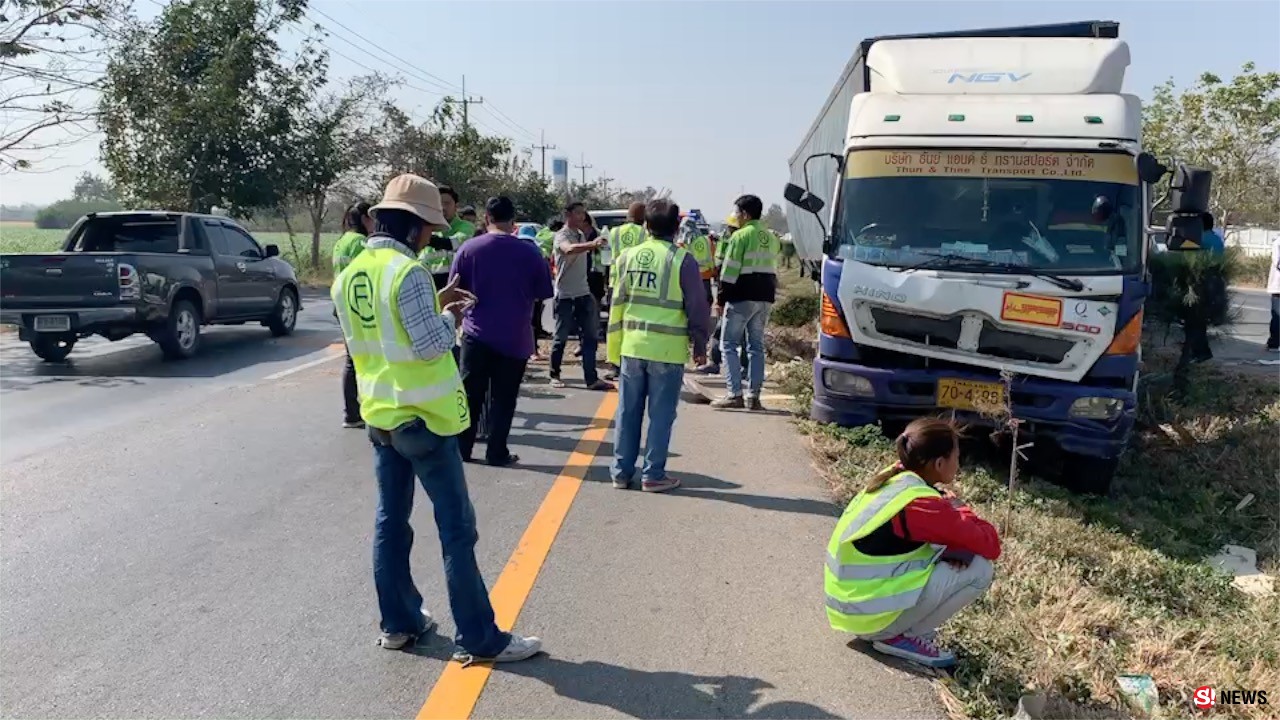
x=1089 y=587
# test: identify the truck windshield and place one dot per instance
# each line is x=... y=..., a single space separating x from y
x=1051 y=211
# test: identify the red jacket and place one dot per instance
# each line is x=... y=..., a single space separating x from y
x=947 y=521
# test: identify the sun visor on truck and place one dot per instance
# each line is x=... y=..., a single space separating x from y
x=998 y=66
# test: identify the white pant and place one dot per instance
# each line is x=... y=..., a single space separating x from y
x=948 y=591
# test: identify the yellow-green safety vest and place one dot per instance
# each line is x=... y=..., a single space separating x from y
x=621 y=239
x=700 y=247
x=396 y=386
x=753 y=249
x=646 y=318
x=866 y=593
x=439 y=262
x=546 y=242
x=346 y=249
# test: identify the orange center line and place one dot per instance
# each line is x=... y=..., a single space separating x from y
x=458 y=689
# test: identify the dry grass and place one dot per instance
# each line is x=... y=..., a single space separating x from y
x=1254 y=271
x=1090 y=588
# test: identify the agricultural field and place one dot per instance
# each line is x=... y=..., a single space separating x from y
x=20 y=237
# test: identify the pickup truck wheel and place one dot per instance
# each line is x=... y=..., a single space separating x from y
x=1089 y=475
x=52 y=348
x=285 y=315
x=179 y=339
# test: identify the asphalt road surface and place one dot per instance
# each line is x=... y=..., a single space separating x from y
x=193 y=540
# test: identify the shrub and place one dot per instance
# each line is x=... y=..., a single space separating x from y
x=64 y=213
x=1192 y=284
x=1254 y=270
x=795 y=311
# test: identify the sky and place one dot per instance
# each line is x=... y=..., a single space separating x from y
x=707 y=99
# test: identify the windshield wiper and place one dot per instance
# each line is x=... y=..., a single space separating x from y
x=957 y=262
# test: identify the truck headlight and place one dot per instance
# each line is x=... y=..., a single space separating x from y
x=847 y=383
x=1097 y=408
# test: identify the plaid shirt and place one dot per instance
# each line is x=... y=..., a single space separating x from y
x=433 y=334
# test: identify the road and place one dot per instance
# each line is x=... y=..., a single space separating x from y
x=193 y=539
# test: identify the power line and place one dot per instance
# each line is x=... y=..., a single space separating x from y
x=544 y=147
x=467 y=101
x=422 y=75
x=584 y=167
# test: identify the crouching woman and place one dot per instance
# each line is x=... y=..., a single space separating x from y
x=906 y=554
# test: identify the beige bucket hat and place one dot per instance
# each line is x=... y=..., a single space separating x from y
x=414 y=194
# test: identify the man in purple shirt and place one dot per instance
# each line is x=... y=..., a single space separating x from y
x=497 y=333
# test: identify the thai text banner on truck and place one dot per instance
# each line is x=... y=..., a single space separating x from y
x=996 y=164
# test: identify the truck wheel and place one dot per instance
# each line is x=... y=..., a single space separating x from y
x=52 y=348
x=179 y=339
x=1089 y=475
x=284 y=317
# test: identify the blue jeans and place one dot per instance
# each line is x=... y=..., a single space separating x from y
x=399 y=455
x=577 y=314
x=744 y=321
x=640 y=382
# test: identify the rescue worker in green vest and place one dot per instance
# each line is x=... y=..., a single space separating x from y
x=699 y=245
x=400 y=332
x=658 y=312
x=438 y=256
x=718 y=248
x=748 y=289
x=356 y=226
x=626 y=236
x=907 y=555
x=546 y=237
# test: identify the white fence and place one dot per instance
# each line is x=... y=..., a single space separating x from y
x=1253 y=241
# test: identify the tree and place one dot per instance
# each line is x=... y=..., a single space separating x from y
x=93 y=188
x=48 y=72
x=199 y=108
x=328 y=145
x=1231 y=127
x=775 y=219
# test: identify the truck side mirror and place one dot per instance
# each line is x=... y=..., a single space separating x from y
x=802 y=198
x=1189 y=191
x=272 y=251
x=1150 y=170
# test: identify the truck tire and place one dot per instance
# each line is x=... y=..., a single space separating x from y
x=52 y=348
x=179 y=339
x=284 y=316
x=1089 y=475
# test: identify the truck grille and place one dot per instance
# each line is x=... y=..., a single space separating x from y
x=1010 y=345
x=940 y=332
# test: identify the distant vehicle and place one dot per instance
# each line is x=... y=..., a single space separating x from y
x=165 y=274
x=606 y=219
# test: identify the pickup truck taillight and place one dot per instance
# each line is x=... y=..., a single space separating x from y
x=130 y=287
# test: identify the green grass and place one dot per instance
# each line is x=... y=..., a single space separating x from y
x=1088 y=587
x=26 y=238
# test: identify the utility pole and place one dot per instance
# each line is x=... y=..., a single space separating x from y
x=584 y=167
x=606 y=180
x=544 y=147
x=467 y=102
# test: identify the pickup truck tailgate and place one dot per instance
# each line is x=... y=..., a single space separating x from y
x=48 y=280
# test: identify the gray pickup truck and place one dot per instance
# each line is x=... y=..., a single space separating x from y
x=165 y=274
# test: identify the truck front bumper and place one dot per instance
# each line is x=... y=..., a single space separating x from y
x=898 y=395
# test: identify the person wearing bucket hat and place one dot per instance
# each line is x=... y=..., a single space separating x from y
x=400 y=332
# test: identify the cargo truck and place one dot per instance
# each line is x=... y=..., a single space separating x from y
x=978 y=204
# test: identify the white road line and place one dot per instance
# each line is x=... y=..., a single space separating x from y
x=303 y=366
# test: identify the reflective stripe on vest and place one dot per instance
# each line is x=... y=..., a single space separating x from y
x=700 y=248
x=646 y=318
x=866 y=593
x=396 y=386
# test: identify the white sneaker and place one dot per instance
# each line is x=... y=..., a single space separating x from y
x=398 y=641
x=520 y=648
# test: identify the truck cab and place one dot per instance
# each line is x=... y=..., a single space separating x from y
x=987 y=242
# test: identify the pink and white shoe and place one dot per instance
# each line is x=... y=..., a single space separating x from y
x=917 y=650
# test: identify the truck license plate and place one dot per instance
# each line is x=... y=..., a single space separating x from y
x=53 y=323
x=969 y=394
